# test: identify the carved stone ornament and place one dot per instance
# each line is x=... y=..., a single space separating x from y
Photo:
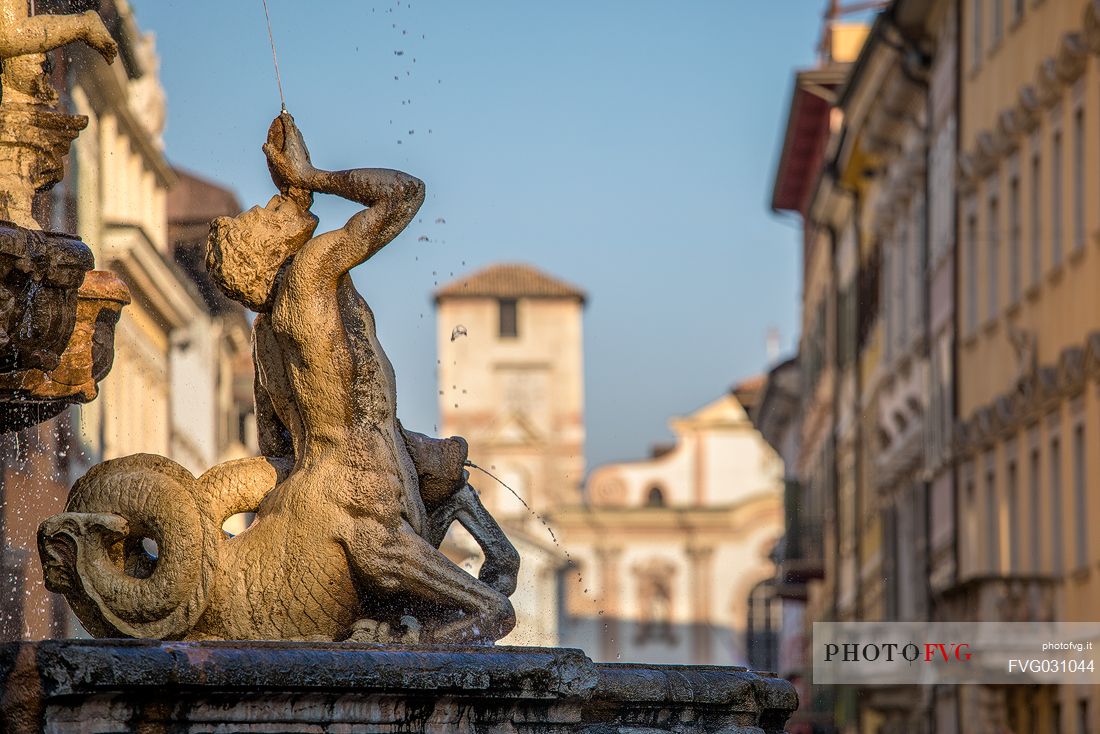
x=350 y=507
x=1092 y=26
x=34 y=136
x=1073 y=56
x=56 y=325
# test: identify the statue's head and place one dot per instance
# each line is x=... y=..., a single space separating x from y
x=245 y=253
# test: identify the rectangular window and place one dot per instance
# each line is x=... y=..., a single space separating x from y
x=1083 y=716
x=902 y=291
x=1011 y=491
x=1036 y=491
x=1079 y=178
x=994 y=254
x=1014 y=239
x=1036 y=219
x=972 y=273
x=998 y=22
x=1017 y=10
x=976 y=33
x=920 y=264
x=992 y=523
x=1056 y=525
x=509 y=323
x=1056 y=209
x=1080 y=499
x=888 y=308
x=970 y=518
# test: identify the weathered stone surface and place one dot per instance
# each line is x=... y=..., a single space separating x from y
x=350 y=507
x=88 y=351
x=57 y=324
x=40 y=273
x=129 y=686
x=52 y=339
x=34 y=136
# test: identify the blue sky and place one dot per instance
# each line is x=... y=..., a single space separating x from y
x=625 y=146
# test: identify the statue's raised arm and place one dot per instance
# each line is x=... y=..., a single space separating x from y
x=392 y=198
x=21 y=34
x=24 y=39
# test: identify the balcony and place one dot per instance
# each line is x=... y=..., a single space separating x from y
x=999 y=599
x=801 y=556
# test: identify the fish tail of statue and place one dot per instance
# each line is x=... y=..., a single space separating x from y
x=97 y=552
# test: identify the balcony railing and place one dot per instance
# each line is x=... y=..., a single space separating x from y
x=999 y=599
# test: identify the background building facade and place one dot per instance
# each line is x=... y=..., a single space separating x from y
x=180 y=359
x=948 y=342
x=1027 y=379
x=652 y=560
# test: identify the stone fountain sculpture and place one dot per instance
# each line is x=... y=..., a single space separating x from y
x=57 y=315
x=350 y=507
x=263 y=631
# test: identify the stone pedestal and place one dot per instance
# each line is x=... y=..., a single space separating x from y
x=143 y=686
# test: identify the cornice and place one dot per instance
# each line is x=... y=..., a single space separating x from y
x=1033 y=395
x=1052 y=76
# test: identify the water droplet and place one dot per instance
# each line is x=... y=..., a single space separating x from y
x=440 y=220
x=398 y=53
x=458 y=331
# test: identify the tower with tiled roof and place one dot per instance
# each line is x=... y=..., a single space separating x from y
x=511 y=380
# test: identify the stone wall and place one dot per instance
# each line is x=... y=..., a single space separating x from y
x=144 y=686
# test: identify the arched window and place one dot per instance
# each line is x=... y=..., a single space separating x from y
x=655 y=497
x=765 y=616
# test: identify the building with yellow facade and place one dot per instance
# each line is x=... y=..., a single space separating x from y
x=950 y=343
x=1029 y=329
x=801 y=407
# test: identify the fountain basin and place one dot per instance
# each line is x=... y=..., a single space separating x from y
x=139 y=685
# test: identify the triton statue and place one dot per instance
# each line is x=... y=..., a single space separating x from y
x=350 y=507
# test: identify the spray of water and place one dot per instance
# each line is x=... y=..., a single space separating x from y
x=515 y=494
x=550 y=530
